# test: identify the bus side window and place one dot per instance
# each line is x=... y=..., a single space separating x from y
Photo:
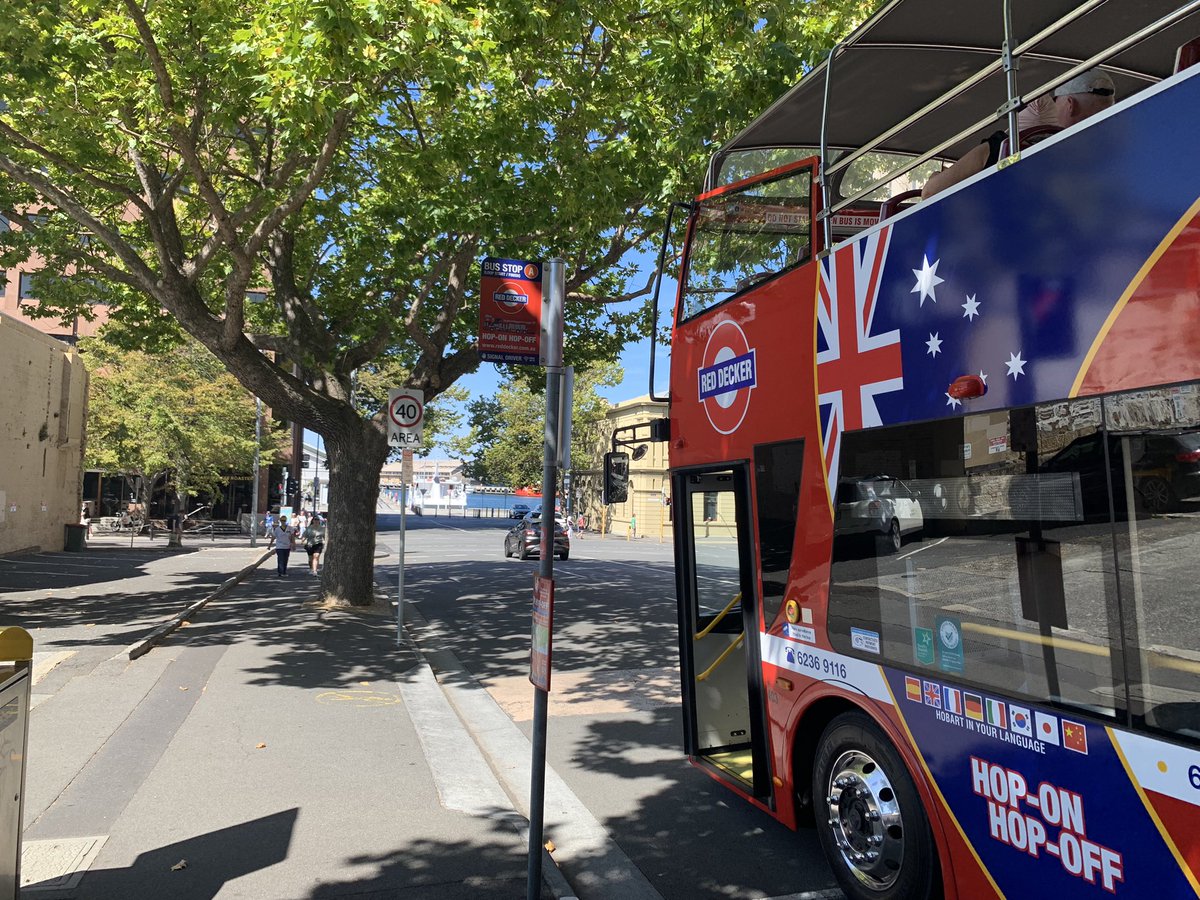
x=999 y=524
x=1156 y=492
x=747 y=235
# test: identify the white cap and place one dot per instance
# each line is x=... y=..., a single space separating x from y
x=1093 y=81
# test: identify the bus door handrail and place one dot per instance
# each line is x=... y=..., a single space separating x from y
x=720 y=659
x=716 y=620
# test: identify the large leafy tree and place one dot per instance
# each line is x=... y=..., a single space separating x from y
x=176 y=420
x=504 y=443
x=348 y=160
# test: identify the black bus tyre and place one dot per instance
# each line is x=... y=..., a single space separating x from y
x=869 y=816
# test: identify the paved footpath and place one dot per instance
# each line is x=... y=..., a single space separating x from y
x=267 y=749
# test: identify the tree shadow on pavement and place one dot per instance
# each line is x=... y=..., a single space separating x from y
x=617 y=643
x=309 y=647
x=490 y=867
x=212 y=860
x=119 y=598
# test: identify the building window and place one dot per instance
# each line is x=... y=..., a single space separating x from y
x=26 y=287
x=710 y=506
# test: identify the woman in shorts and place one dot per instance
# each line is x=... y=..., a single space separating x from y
x=314 y=542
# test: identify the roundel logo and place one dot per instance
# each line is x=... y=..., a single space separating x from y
x=727 y=377
x=510 y=296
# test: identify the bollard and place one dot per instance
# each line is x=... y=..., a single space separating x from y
x=16 y=663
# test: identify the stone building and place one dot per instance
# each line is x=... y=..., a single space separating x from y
x=649 y=478
x=42 y=415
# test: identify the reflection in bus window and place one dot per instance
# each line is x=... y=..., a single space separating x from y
x=744 y=237
x=715 y=538
x=1156 y=493
x=777 y=469
x=980 y=547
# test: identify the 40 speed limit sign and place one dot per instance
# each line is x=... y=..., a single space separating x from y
x=405 y=417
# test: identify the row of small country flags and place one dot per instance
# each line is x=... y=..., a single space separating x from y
x=1017 y=719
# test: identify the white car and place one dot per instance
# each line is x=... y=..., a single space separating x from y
x=878 y=504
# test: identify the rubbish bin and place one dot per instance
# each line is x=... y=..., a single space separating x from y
x=75 y=541
x=16 y=660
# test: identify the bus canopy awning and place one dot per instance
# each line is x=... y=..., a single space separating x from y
x=912 y=52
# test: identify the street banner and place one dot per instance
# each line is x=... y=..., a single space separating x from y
x=543 y=632
x=510 y=311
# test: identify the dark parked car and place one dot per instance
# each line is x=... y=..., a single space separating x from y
x=1165 y=468
x=518 y=511
x=524 y=540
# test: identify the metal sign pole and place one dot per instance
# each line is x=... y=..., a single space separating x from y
x=554 y=282
x=400 y=566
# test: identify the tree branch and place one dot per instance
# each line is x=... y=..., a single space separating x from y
x=276 y=217
x=147 y=280
x=64 y=163
x=184 y=137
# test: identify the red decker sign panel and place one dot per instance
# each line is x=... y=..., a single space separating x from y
x=510 y=311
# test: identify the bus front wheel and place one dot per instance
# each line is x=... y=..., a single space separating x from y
x=872 y=825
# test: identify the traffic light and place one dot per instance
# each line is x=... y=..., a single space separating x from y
x=616 y=478
x=291 y=486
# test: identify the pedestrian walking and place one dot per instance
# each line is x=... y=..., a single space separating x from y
x=633 y=525
x=268 y=522
x=314 y=543
x=283 y=539
x=579 y=525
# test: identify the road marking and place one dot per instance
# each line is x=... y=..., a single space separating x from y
x=360 y=699
x=920 y=549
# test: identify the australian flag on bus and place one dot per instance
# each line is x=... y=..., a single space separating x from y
x=901 y=315
x=904 y=310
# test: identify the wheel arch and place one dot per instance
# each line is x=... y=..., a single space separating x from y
x=807 y=729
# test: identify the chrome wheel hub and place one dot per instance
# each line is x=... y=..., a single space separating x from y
x=864 y=816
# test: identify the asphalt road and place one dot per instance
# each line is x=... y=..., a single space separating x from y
x=615 y=731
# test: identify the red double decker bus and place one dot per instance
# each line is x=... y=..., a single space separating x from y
x=936 y=464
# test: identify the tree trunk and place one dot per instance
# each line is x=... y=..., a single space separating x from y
x=356 y=453
x=176 y=523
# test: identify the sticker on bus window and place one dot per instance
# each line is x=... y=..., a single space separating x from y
x=800 y=633
x=867 y=641
x=923 y=646
x=950 y=648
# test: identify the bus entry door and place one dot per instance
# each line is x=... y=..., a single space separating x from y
x=718 y=628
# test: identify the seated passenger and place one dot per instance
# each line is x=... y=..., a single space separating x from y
x=1082 y=96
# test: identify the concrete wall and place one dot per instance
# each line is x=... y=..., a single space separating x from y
x=43 y=401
